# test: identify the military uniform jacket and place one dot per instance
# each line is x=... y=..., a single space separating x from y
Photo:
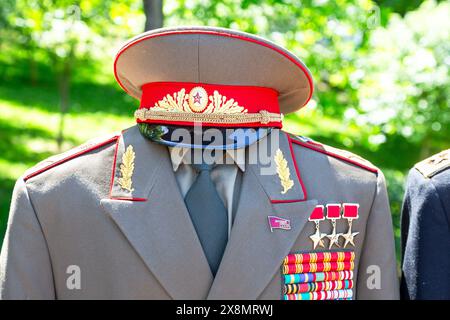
x=140 y=243
x=426 y=230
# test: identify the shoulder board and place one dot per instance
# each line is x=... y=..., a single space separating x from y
x=434 y=164
x=69 y=155
x=334 y=152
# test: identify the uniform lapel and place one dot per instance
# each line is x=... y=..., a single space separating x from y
x=254 y=253
x=155 y=221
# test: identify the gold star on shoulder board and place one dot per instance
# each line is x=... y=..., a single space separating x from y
x=317 y=238
x=334 y=239
x=349 y=237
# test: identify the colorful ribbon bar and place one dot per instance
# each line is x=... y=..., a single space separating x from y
x=299 y=258
x=317 y=276
x=317 y=267
x=317 y=286
x=321 y=295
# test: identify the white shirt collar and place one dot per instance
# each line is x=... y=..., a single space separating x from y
x=178 y=156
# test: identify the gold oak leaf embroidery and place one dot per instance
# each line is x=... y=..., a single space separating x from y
x=126 y=169
x=178 y=102
x=283 y=172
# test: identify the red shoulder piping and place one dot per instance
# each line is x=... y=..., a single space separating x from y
x=111 y=183
x=77 y=154
x=316 y=147
x=129 y=199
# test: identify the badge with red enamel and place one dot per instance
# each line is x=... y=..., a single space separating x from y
x=316 y=216
x=334 y=214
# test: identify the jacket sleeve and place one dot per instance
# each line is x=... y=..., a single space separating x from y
x=425 y=241
x=25 y=268
x=377 y=275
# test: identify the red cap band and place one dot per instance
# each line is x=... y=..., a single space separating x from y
x=182 y=103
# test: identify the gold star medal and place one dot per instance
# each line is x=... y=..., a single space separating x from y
x=333 y=213
x=316 y=216
x=350 y=213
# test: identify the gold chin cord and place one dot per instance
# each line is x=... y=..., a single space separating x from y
x=263 y=117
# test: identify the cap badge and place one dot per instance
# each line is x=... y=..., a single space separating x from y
x=279 y=223
x=198 y=99
x=126 y=169
x=283 y=171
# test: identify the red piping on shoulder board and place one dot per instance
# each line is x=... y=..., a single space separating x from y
x=129 y=199
x=223 y=34
x=77 y=154
x=113 y=173
x=317 y=147
x=297 y=170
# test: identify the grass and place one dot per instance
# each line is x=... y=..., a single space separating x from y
x=29 y=122
x=29 y=119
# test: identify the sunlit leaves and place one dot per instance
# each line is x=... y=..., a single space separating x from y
x=405 y=90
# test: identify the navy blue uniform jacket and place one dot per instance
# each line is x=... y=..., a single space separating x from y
x=425 y=226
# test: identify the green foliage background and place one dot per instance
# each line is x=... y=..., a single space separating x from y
x=381 y=71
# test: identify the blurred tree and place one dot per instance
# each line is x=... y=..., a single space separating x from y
x=337 y=40
x=399 y=6
x=327 y=35
x=404 y=89
x=6 y=8
x=153 y=10
x=65 y=34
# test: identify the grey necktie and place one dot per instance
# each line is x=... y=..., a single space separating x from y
x=208 y=214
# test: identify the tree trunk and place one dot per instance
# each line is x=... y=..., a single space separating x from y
x=33 y=70
x=425 y=150
x=153 y=10
x=64 y=95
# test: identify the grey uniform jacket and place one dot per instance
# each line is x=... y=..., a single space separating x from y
x=70 y=217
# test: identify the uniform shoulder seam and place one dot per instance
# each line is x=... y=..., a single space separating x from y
x=72 y=154
x=342 y=155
